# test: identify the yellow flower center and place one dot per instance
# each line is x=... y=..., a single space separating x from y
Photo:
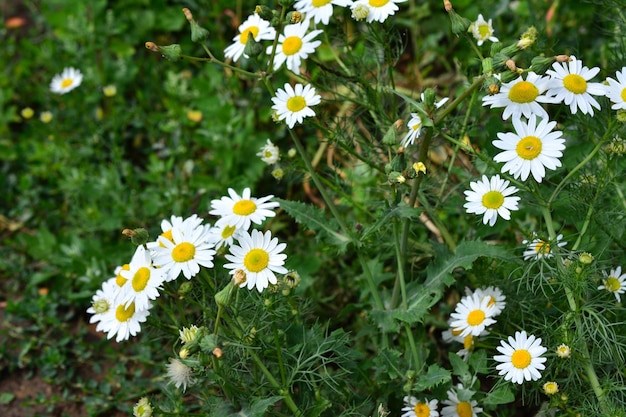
x=292 y=45
x=183 y=252
x=378 y=3
x=612 y=284
x=141 y=278
x=493 y=199
x=492 y=300
x=464 y=409
x=456 y=332
x=168 y=235
x=520 y=358
x=320 y=3
x=468 y=341
x=252 y=30
x=529 y=147
x=542 y=247
x=296 y=103
x=421 y=410
x=119 y=279
x=416 y=126
x=122 y=313
x=624 y=94
x=256 y=260
x=244 y=207
x=523 y=92
x=575 y=83
x=484 y=31
x=551 y=388
x=228 y=231
x=474 y=318
x=67 y=82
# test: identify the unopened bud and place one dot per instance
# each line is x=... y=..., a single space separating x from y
x=188 y=14
x=360 y=12
x=487 y=65
x=540 y=64
x=138 y=236
x=184 y=289
x=223 y=297
x=396 y=177
x=286 y=3
x=508 y=76
x=510 y=64
x=459 y=23
x=585 y=258
x=562 y=58
x=528 y=38
x=252 y=48
x=429 y=99
x=171 y=52
x=198 y=33
x=264 y=12
x=419 y=167
x=390 y=137
x=152 y=46
x=447 y=4
x=184 y=353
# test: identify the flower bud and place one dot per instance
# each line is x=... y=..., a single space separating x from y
x=396 y=177
x=540 y=64
x=252 y=48
x=360 y=12
x=264 y=12
x=294 y=17
x=510 y=64
x=208 y=343
x=223 y=297
x=198 y=33
x=183 y=353
x=429 y=98
x=217 y=352
x=184 y=289
x=585 y=258
x=27 y=113
x=528 y=38
x=459 y=23
x=390 y=137
x=487 y=64
x=562 y=58
x=171 y=52
x=286 y=3
x=508 y=76
x=138 y=236
x=45 y=116
x=419 y=167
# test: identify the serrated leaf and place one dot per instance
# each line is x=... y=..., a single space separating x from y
x=401 y=212
x=500 y=395
x=388 y=361
x=459 y=367
x=314 y=219
x=478 y=362
x=258 y=407
x=421 y=300
x=435 y=375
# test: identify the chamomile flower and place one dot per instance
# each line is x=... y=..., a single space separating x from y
x=241 y=211
x=142 y=408
x=320 y=10
x=270 y=154
x=472 y=315
x=292 y=103
x=539 y=248
x=179 y=374
x=65 y=82
x=521 y=358
x=143 y=280
x=563 y=351
x=414 y=408
x=175 y=221
x=482 y=30
x=378 y=10
x=495 y=297
x=616 y=90
x=259 y=256
x=294 y=45
x=570 y=84
x=614 y=282
x=122 y=321
x=491 y=197
x=521 y=97
x=185 y=252
x=454 y=407
x=223 y=235
x=254 y=26
x=531 y=149
x=103 y=300
x=415 y=127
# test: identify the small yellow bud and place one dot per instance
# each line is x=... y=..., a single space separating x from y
x=184 y=353
x=550 y=388
x=217 y=352
x=563 y=351
x=585 y=258
x=109 y=90
x=194 y=115
x=419 y=167
x=360 y=12
x=27 y=113
x=45 y=116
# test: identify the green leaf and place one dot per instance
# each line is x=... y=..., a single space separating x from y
x=459 y=367
x=435 y=375
x=6 y=397
x=401 y=212
x=314 y=219
x=388 y=361
x=419 y=302
x=258 y=407
x=500 y=395
x=478 y=362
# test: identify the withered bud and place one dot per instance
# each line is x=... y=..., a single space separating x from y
x=447 y=4
x=217 y=352
x=239 y=277
x=128 y=233
x=188 y=14
x=563 y=58
x=493 y=89
x=510 y=64
x=152 y=46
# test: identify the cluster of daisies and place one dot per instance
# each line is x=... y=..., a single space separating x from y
x=184 y=246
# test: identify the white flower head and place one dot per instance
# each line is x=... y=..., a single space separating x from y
x=65 y=82
x=539 y=248
x=495 y=296
x=122 y=321
x=143 y=280
x=454 y=407
x=415 y=408
x=292 y=104
x=491 y=197
x=378 y=10
x=142 y=408
x=254 y=26
x=521 y=358
x=614 y=282
x=531 y=149
x=270 y=154
x=294 y=45
x=178 y=222
x=482 y=30
x=259 y=256
x=616 y=90
x=179 y=374
x=320 y=10
x=188 y=334
x=570 y=84
x=242 y=211
x=103 y=300
x=223 y=235
x=185 y=252
x=563 y=351
x=415 y=127
x=521 y=97
x=472 y=315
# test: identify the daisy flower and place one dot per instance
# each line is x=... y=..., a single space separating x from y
x=270 y=154
x=320 y=10
x=260 y=29
x=102 y=300
x=259 y=256
x=65 y=82
x=142 y=408
x=143 y=280
x=185 y=252
x=614 y=282
x=495 y=297
x=521 y=358
x=454 y=407
x=531 y=149
x=415 y=127
x=570 y=84
x=175 y=221
x=472 y=315
x=292 y=103
x=294 y=45
x=241 y=211
x=378 y=10
x=414 y=408
x=539 y=248
x=563 y=351
x=122 y=321
x=491 y=197
x=550 y=388
x=521 y=97
x=616 y=90
x=179 y=373
x=482 y=30
x=223 y=235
